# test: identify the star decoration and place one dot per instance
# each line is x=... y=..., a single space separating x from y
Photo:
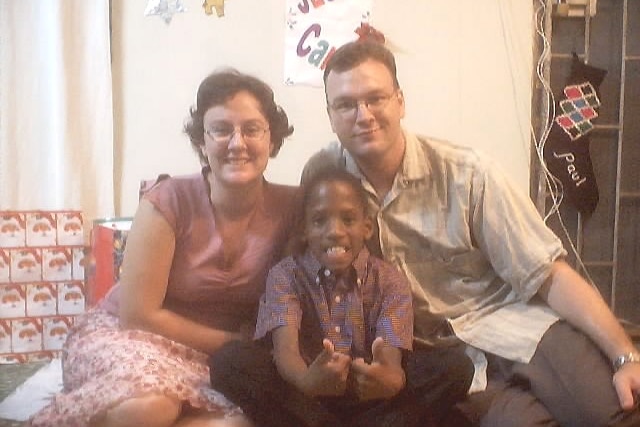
x=164 y=8
x=208 y=6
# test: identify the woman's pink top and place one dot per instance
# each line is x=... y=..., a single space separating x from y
x=200 y=286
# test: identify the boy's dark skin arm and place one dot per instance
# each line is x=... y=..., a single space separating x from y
x=325 y=376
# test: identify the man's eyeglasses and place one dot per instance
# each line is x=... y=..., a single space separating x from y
x=347 y=107
x=222 y=134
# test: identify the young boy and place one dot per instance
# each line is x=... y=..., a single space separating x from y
x=340 y=321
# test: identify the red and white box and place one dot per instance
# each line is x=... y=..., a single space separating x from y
x=12 y=229
x=56 y=263
x=42 y=288
x=5 y=266
x=80 y=259
x=26 y=265
x=55 y=330
x=40 y=356
x=41 y=299
x=41 y=228
x=13 y=300
x=26 y=335
x=5 y=336
x=70 y=228
x=13 y=358
x=71 y=298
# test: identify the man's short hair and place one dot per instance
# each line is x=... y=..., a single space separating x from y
x=352 y=54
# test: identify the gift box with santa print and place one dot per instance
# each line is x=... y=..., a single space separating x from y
x=42 y=258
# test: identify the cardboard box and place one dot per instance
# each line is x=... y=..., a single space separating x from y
x=41 y=228
x=108 y=240
x=57 y=263
x=13 y=299
x=42 y=299
x=26 y=265
x=12 y=229
x=42 y=263
x=70 y=229
x=55 y=330
x=71 y=298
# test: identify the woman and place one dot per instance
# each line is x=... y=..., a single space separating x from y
x=194 y=268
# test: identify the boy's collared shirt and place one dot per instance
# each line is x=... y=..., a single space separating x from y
x=371 y=300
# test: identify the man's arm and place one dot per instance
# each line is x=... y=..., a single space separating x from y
x=581 y=305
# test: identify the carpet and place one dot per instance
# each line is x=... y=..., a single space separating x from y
x=32 y=394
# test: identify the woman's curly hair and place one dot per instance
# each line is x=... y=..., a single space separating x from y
x=219 y=87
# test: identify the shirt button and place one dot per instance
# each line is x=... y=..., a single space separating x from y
x=317 y=280
x=359 y=282
x=327 y=273
x=337 y=329
x=337 y=298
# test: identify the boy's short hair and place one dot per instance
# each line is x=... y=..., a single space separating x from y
x=335 y=174
x=329 y=173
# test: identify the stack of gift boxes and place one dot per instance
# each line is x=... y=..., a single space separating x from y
x=42 y=282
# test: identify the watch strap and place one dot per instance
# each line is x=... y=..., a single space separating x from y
x=623 y=359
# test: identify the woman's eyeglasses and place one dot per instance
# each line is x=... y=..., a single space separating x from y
x=222 y=134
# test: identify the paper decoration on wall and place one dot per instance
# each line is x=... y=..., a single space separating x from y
x=164 y=8
x=314 y=30
x=567 y=149
x=209 y=5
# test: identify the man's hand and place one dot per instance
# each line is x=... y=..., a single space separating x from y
x=627 y=384
x=383 y=378
x=327 y=374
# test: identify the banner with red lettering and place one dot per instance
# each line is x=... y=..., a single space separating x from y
x=314 y=30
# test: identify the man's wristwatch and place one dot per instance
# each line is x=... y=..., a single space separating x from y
x=623 y=359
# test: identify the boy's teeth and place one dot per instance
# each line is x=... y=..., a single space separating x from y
x=336 y=250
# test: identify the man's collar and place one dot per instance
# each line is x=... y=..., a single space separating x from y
x=415 y=164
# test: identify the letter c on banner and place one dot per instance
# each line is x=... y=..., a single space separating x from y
x=301 y=50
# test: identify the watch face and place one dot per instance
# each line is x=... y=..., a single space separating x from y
x=624 y=359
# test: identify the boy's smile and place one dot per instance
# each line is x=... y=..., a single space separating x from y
x=336 y=225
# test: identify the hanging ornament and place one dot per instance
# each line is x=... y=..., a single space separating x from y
x=209 y=5
x=164 y=8
x=566 y=152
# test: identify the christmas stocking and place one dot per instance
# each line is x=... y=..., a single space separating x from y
x=567 y=149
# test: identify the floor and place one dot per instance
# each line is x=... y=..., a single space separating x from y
x=11 y=376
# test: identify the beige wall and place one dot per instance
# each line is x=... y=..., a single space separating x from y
x=465 y=67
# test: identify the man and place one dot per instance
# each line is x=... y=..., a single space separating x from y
x=475 y=251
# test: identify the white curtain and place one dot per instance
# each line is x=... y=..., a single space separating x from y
x=56 y=116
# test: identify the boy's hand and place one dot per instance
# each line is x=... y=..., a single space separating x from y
x=383 y=378
x=327 y=374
